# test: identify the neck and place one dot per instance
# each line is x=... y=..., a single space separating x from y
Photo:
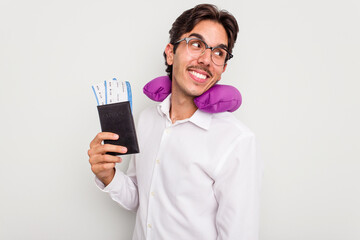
x=182 y=106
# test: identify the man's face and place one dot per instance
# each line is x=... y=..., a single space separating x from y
x=192 y=76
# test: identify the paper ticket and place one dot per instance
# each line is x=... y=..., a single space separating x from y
x=112 y=91
x=99 y=91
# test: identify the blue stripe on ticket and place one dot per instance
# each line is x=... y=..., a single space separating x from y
x=128 y=86
x=105 y=92
x=97 y=100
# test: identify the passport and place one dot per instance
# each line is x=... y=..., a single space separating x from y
x=117 y=118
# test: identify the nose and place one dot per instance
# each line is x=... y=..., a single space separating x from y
x=205 y=57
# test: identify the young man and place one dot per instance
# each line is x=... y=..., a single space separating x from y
x=197 y=176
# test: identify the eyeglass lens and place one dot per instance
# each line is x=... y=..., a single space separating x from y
x=196 y=48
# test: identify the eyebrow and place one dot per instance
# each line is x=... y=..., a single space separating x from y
x=202 y=38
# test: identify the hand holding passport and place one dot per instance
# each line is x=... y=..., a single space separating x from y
x=114 y=107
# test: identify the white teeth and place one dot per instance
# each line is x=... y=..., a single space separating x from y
x=199 y=75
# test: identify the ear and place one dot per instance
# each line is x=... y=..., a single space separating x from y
x=169 y=51
x=224 y=67
x=222 y=72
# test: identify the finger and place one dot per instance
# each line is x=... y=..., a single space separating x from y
x=103 y=136
x=103 y=149
x=97 y=168
x=98 y=159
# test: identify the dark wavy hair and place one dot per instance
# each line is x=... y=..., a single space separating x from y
x=188 y=19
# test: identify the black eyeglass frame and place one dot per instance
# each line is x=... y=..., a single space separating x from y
x=187 y=39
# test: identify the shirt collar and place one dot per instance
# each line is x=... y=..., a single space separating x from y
x=199 y=118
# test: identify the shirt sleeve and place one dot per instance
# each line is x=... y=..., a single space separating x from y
x=237 y=190
x=123 y=188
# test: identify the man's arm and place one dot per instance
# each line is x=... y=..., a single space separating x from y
x=237 y=190
x=121 y=188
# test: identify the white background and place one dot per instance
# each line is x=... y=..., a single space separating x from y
x=297 y=65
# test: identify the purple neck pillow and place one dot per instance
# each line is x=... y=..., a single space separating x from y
x=219 y=98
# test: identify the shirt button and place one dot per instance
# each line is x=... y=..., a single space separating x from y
x=153 y=194
x=167 y=131
x=149 y=225
x=157 y=161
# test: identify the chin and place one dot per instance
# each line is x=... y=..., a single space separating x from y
x=195 y=92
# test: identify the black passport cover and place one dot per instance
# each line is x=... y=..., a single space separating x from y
x=117 y=118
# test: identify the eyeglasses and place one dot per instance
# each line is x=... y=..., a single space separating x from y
x=197 y=47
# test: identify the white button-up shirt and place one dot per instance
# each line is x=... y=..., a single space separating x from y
x=196 y=179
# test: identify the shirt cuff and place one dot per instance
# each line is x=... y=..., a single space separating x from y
x=113 y=185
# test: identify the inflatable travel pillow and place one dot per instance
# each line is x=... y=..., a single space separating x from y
x=219 y=98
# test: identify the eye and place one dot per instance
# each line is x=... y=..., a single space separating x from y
x=219 y=53
x=196 y=44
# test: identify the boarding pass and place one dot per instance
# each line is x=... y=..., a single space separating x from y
x=112 y=91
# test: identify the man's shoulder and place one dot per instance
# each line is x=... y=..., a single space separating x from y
x=149 y=109
x=229 y=123
x=148 y=114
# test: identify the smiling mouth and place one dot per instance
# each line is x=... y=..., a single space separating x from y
x=198 y=75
